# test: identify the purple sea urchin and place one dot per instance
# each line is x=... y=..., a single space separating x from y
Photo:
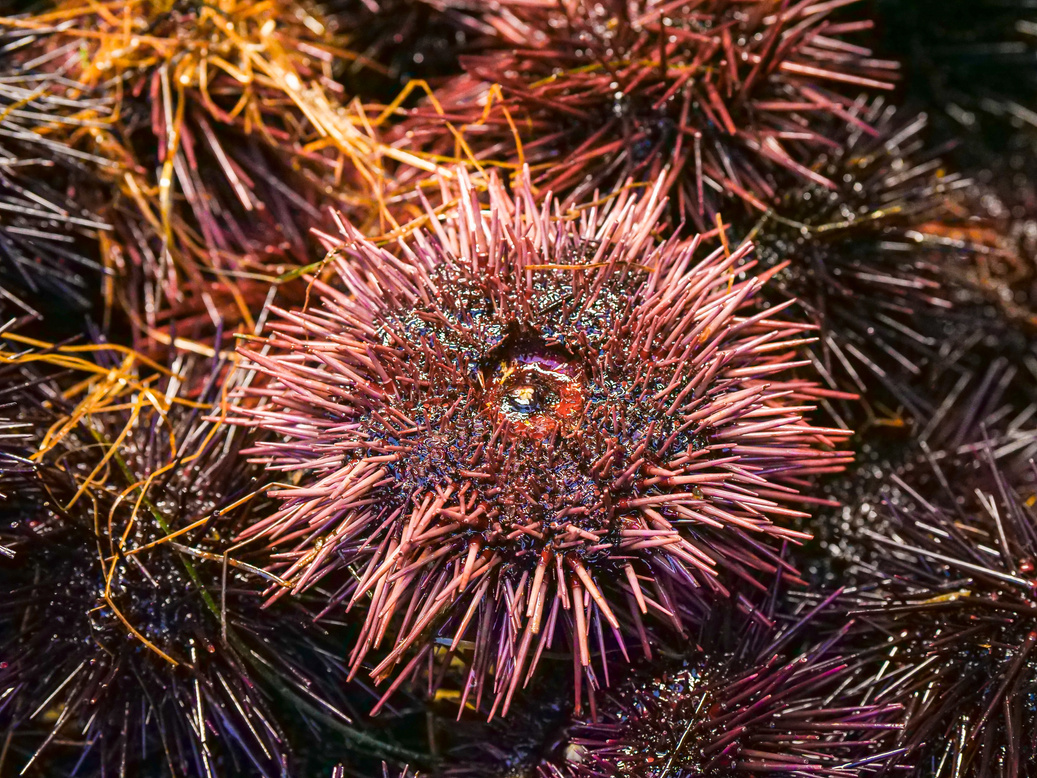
x=950 y=600
x=49 y=250
x=713 y=94
x=860 y=261
x=128 y=635
x=991 y=409
x=742 y=704
x=525 y=422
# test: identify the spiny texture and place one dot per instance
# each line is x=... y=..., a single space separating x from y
x=861 y=260
x=520 y=423
x=49 y=251
x=128 y=637
x=989 y=408
x=950 y=599
x=715 y=93
x=218 y=172
x=744 y=703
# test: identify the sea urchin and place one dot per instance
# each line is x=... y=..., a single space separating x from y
x=715 y=94
x=951 y=602
x=741 y=704
x=524 y=419
x=127 y=635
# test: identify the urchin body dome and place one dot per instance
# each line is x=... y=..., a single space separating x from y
x=522 y=422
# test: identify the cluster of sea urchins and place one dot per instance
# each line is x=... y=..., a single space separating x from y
x=129 y=636
x=525 y=424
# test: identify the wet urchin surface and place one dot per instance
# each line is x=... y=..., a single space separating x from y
x=128 y=637
x=971 y=67
x=949 y=598
x=522 y=430
x=746 y=699
x=750 y=693
x=718 y=94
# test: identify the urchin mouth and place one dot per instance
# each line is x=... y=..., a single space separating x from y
x=534 y=386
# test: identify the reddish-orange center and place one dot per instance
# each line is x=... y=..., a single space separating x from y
x=535 y=395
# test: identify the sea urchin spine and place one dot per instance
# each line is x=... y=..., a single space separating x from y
x=742 y=704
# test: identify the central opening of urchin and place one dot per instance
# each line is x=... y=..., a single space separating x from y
x=654 y=747
x=534 y=385
x=526 y=398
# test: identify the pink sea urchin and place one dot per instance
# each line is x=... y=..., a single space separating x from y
x=715 y=95
x=522 y=421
